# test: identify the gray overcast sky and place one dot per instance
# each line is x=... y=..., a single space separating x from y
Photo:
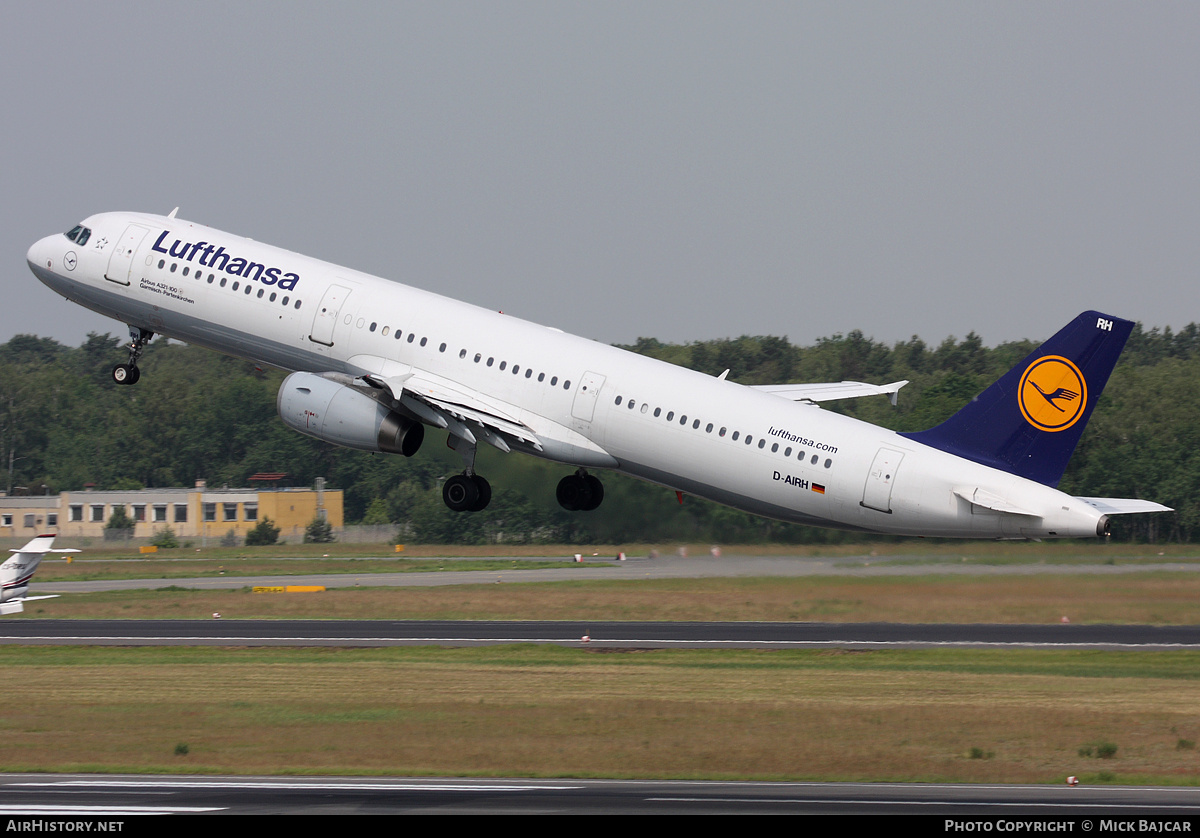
x=680 y=170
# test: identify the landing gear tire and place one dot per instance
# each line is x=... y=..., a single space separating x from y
x=485 y=493
x=597 y=489
x=461 y=493
x=126 y=374
x=579 y=492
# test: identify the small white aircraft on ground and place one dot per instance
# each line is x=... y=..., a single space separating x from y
x=373 y=362
x=16 y=572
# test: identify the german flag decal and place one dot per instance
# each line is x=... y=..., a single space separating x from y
x=818 y=488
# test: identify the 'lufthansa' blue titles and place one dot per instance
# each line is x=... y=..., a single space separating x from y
x=212 y=256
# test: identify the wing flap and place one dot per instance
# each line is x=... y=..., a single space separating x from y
x=447 y=404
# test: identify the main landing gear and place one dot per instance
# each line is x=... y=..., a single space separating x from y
x=580 y=492
x=467 y=493
x=129 y=373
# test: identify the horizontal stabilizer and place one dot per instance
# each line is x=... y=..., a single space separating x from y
x=987 y=500
x=831 y=391
x=1124 y=506
x=42 y=544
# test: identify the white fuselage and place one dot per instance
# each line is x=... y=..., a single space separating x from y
x=682 y=429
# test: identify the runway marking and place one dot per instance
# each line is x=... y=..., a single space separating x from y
x=305 y=786
x=107 y=810
x=594 y=641
x=899 y=802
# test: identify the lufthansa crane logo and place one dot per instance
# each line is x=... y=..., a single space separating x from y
x=1052 y=394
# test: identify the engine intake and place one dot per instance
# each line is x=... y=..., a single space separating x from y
x=333 y=412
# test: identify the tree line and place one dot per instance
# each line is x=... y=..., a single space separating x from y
x=196 y=414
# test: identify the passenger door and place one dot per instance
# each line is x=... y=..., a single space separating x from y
x=120 y=264
x=326 y=317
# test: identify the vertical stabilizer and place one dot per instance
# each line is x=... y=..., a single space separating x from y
x=1029 y=422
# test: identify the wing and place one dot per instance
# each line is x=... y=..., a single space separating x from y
x=464 y=412
x=832 y=391
x=474 y=417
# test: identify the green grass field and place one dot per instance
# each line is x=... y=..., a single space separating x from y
x=1026 y=716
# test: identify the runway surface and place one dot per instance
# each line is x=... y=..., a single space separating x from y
x=112 y=797
x=662 y=635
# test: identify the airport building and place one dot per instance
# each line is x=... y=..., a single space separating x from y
x=199 y=514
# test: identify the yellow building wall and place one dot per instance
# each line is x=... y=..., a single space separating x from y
x=291 y=511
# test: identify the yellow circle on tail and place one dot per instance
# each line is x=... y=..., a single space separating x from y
x=1052 y=394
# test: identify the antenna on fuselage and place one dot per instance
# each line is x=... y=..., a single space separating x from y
x=172 y=213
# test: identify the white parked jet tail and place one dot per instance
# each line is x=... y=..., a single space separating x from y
x=16 y=572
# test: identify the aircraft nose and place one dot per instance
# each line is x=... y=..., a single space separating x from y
x=39 y=255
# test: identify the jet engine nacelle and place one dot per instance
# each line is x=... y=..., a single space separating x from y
x=336 y=413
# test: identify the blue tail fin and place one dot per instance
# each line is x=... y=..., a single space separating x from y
x=1029 y=422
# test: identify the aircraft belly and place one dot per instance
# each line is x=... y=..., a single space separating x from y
x=98 y=300
x=200 y=329
x=744 y=478
x=729 y=495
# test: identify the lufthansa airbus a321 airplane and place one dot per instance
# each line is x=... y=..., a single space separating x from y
x=373 y=362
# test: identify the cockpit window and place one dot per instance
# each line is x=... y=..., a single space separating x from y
x=78 y=234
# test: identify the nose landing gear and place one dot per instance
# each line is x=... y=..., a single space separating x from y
x=129 y=373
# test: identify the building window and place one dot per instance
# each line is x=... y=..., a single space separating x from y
x=210 y=512
x=181 y=513
x=75 y=512
x=30 y=521
x=160 y=513
x=139 y=512
x=6 y=520
x=251 y=510
x=230 y=510
x=97 y=513
x=52 y=519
